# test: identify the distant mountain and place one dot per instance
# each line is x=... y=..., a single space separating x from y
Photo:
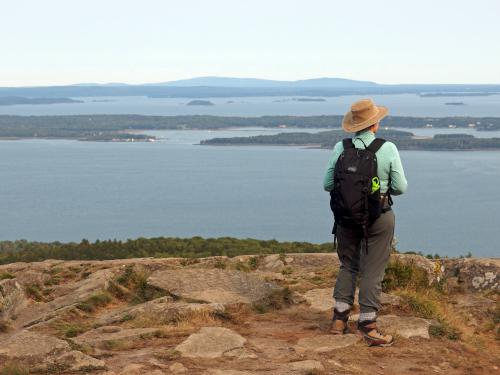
x=333 y=82
x=266 y=83
x=227 y=87
x=111 y=84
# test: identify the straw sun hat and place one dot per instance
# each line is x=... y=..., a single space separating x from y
x=363 y=114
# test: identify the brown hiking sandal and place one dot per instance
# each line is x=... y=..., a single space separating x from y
x=339 y=322
x=372 y=336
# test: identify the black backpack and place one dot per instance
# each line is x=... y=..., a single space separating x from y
x=355 y=198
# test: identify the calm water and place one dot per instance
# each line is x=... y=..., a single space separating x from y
x=432 y=131
x=404 y=105
x=68 y=190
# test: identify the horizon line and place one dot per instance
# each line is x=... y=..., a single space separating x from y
x=164 y=82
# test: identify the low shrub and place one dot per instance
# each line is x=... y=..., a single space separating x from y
x=220 y=264
x=73 y=330
x=253 y=263
x=13 y=369
x=404 y=275
x=420 y=304
x=95 y=301
x=242 y=266
x=34 y=292
x=430 y=305
x=443 y=329
x=6 y=275
x=274 y=301
x=132 y=285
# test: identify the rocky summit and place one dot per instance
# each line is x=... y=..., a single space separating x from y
x=243 y=315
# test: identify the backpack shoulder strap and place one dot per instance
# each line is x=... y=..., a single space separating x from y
x=347 y=143
x=375 y=145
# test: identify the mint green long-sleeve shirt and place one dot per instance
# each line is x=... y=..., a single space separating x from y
x=390 y=169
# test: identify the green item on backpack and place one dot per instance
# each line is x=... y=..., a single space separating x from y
x=375 y=184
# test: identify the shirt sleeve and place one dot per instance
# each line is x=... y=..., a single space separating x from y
x=328 y=179
x=398 y=181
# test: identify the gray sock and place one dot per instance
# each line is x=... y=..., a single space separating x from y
x=342 y=306
x=367 y=316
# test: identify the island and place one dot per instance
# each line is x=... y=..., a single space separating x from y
x=455 y=94
x=108 y=127
x=403 y=140
x=19 y=100
x=309 y=99
x=200 y=102
x=116 y=137
x=454 y=103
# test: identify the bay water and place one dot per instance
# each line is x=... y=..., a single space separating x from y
x=63 y=190
x=68 y=190
x=399 y=105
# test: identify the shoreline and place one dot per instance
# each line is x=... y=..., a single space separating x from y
x=318 y=147
x=307 y=146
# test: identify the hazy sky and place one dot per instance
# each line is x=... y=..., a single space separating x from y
x=135 y=41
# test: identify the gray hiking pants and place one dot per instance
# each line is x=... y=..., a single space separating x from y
x=369 y=265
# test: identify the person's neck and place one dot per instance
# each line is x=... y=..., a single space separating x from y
x=365 y=131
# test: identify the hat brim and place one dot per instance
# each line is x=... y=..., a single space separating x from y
x=349 y=126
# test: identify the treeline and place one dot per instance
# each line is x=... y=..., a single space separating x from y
x=454 y=94
x=325 y=139
x=449 y=143
x=403 y=140
x=161 y=247
x=14 y=100
x=74 y=125
x=86 y=126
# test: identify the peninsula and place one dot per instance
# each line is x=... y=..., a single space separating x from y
x=403 y=140
x=18 y=100
x=108 y=127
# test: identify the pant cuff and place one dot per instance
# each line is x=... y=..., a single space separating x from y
x=341 y=306
x=367 y=316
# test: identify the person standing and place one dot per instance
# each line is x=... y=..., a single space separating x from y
x=363 y=250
